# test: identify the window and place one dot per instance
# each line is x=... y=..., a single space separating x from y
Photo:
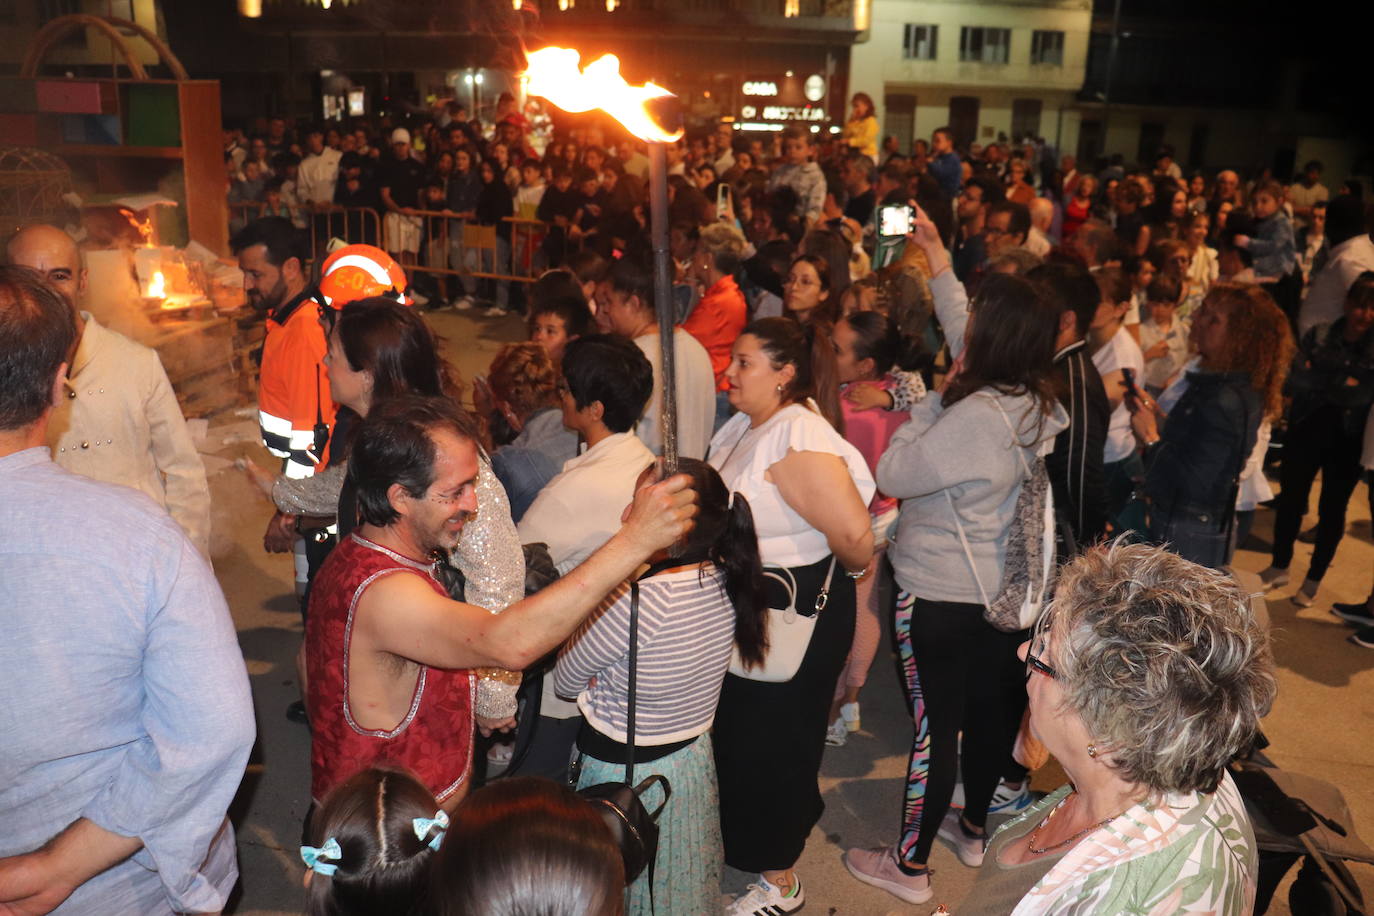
x=1151 y=139
x=1047 y=48
x=963 y=119
x=989 y=46
x=918 y=42
x=900 y=118
x=1025 y=118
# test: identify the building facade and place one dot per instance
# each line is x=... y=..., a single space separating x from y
x=988 y=70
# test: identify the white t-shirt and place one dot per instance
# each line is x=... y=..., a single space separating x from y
x=743 y=455
x=696 y=395
x=1121 y=352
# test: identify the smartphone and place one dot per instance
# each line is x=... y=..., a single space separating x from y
x=723 y=207
x=1128 y=377
x=895 y=220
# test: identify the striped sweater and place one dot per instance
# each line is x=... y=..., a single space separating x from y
x=686 y=631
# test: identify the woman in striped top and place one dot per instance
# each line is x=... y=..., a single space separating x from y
x=693 y=609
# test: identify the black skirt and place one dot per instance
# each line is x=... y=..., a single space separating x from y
x=769 y=738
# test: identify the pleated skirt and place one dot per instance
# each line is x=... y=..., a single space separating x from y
x=689 y=862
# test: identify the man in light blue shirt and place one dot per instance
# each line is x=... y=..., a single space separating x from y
x=126 y=718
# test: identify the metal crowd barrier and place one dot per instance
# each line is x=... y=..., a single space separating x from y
x=447 y=245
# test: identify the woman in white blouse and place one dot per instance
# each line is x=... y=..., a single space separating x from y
x=809 y=489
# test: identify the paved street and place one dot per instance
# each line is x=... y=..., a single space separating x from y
x=1320 y=725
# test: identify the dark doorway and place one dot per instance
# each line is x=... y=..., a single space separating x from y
x=963 y=119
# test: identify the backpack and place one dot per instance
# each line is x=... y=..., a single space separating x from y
x=1028 y=570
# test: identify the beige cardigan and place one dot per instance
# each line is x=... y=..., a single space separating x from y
x=120 y=423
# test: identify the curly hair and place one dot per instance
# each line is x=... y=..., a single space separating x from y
x=1258 y=340
x=1163 y=662
x=523 y=375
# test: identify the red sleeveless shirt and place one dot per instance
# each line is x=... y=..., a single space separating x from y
x=433 y=741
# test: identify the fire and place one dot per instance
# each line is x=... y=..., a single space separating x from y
x=157 y=286
x=143 y=227
x=554 y=73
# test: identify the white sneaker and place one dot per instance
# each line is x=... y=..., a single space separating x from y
x=418 y=297
x=462 y=303
x=849 y=712
x=763 y=899
x=1007 y=800
x=837 y=734
x=969 y=849
x=495 y=312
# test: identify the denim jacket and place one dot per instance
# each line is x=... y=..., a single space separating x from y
x=1275 y=252
x=1209 y=434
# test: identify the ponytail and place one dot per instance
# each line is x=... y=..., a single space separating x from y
x=736 y=553
x=723 y=532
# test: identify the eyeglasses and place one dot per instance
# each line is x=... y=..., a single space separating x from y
x=1034 y=664
x=1033 y=661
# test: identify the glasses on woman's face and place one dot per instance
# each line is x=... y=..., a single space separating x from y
x=1033 y=662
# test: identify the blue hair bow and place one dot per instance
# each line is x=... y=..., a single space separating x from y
x=317 y=859
x=423 y=825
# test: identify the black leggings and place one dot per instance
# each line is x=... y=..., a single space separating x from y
x=962 y=674
x=1318 y=443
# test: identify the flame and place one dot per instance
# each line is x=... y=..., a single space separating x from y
x=157 y=287
x=554 y=74
x=144 y=227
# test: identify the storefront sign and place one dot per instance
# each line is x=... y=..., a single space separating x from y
x=761 y=88
x=789 y=113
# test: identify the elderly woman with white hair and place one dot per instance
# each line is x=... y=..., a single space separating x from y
x=1146 y=676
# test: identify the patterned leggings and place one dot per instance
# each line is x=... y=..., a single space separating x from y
x=962 y=675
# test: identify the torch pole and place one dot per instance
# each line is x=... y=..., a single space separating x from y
x=663 y=300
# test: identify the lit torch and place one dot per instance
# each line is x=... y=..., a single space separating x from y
x=555 y=74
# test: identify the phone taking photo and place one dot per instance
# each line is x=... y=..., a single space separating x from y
x=723 y=207
x=895 y=220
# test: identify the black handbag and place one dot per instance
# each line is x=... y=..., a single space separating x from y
x=634 y=827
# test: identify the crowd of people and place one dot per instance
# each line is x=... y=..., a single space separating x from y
x=1046 y=380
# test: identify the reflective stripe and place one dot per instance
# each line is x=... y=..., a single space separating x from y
x=299 y=465
x=369 y=266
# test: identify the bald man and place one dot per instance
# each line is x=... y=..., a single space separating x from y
x=1042 y=218
x=120 y=421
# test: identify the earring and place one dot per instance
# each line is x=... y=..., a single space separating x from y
x=778 y=388
x=1092 y=751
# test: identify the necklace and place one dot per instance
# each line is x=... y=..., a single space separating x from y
x=1030 y=840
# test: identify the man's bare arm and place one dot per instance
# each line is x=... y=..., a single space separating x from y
x=38 y=882
x=404 y=616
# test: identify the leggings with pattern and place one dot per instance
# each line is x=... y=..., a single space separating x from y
x=962 y=675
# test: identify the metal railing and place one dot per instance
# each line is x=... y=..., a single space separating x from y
x=445 y=245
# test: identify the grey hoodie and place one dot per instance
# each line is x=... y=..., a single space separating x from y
x=968 y=451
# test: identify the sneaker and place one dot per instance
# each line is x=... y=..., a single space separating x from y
x=878 y=868
x=837 y=734
x=1358 y=614
x=462 y=303
x=1273 y=578
x=1307 y=595
x=1007 y=800
x=969 y=848
x=419 y=298
x=1362 y=637
x=763 y=899
x=849 y=712
x=495 y=312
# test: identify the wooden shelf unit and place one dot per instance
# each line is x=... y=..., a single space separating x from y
x=177 y=145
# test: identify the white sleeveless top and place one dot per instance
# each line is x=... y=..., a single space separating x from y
x=743 y=455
